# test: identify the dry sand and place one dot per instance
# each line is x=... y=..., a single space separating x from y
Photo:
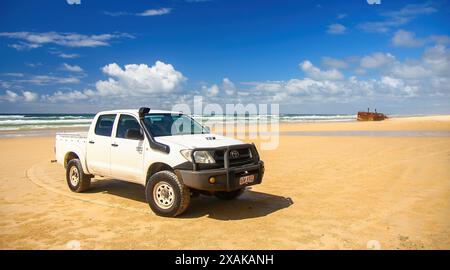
x=319 y=192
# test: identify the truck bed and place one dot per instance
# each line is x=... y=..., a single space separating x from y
x=74 y=142
x=72 y=135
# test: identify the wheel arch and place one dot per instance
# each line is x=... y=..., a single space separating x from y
x=157 y=167
x=69 y=156
x=75 y=155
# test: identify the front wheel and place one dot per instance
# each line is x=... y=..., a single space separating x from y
x=166 y=195
x=229 y=195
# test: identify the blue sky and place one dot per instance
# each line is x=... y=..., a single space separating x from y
x=308 y=56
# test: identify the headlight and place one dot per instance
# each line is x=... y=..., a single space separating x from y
x=199 y=156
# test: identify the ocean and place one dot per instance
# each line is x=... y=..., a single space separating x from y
x=11 y=122
x=43 y=121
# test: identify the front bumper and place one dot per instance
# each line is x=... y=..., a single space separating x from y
x=227 y=179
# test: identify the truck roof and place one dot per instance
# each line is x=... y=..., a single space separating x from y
x=136 y=111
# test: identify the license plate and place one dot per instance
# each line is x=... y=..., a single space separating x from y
x=243 y=180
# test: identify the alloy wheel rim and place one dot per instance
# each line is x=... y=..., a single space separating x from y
x=74 y=176
x=163 y=195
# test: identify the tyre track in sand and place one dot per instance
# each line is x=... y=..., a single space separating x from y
x=34 y=174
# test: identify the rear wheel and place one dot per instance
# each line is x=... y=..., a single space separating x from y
x=77 y=180
x=229 y=195
x=166 y=195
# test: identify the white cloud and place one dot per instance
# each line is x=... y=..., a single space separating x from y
x=23 y=46
x=27 y=96
x=117 y=13
x=312 y=87
x=139 y=79
x=336 y=29
x=387 y=78
x=226 y=89
x=155 y=12
x=437 y=60
x=44 y=79
x=383 y=26
x=295 y=91
x=440 y=39
x=70 y=96
x=146 y=13
x=212 y=91
x=391 y=82
x=424 y=77
x=49 y=80
x=359 y=71
x=73 y=68
x=74 y=2
x=412 y=10
x=409 y=70
x=398 y=86
x=10 y=96
x=31 y=40
x=397 y=18
x=228 y=86
x=33 y=65
x=377 y=60
x=316 y=73
x=334 y=63
x=13 y=74
x=267 y=86
x=307 y=89
x=68 y=55
x=30 y=96
x=404 y=38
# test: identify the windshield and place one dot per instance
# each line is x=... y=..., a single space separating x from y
x=166 y=124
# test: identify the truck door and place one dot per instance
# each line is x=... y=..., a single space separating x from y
x=99 y=145
x=127 y=153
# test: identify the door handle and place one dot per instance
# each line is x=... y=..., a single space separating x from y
x=114 y=145
x=91 y=142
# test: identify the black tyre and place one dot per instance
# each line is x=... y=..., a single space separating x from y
x=77 y=180
x=166 y=194
x=229 y=195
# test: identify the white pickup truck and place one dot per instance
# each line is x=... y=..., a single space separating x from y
x=169 y=153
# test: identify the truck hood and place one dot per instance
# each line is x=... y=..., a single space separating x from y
x=192 y=141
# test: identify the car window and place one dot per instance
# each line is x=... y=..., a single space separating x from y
x=126 y=122
x=167 y=124
x=105 y=124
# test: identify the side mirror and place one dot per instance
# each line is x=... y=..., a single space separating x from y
x=207 y=129
x=134 y=134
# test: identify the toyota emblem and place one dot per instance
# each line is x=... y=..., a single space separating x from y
x=234 y=154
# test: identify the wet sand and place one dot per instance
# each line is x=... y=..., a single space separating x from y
x=319 y=192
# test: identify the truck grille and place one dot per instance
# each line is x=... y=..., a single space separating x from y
x=237 y=157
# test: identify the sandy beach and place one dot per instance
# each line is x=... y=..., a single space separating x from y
x=321 y=191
